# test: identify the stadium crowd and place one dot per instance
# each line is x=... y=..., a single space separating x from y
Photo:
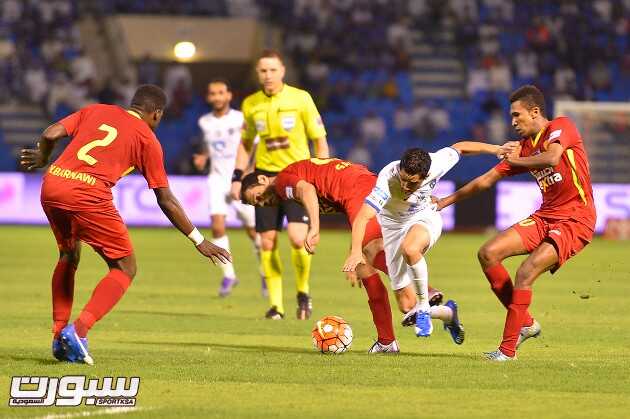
x=354 y=56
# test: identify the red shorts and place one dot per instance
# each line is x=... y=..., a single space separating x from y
x=373 y=229
x=568 y=236
x=105 y=231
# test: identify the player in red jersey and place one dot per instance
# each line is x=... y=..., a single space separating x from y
x=330 y=186
x=553 y=152
x=107 y=143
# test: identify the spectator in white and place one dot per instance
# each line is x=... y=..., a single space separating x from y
x=62 y=91
x=565 y=81
x=420 y=123
x=464 y=9
x=478 y=80
x=497 y=128
x=36 y=83
x=439 y=119
x=399 y=34
x=124 y=87
x=83 y=68
x=526 y=64
x=11 y=11
x=46 y=11
x=500 y=9
x=360 y=154
x=402 y=119
x=51 y=48
x=174 y=75
x=362 y=15
x=372 y=128
x=500 y=77
x=418 y=8
x=603 y=9
x=489 y=39
x=316 y=70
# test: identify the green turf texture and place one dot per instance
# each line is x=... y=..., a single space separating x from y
x=202 y=356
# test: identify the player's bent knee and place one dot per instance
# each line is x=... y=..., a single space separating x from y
x=411 y=251
x=487 y=255
x=72 y=256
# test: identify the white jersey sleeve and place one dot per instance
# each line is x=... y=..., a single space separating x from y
x=381 y=194
x=442 y=161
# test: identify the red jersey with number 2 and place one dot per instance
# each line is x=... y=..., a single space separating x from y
x=107 y=143
x=340 y=184
x=566 y=187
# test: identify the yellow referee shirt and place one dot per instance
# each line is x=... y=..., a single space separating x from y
x=284 y=123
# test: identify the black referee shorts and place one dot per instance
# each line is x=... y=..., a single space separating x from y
x=271 y=218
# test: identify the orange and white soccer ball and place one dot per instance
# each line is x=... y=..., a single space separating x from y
x=332 y=335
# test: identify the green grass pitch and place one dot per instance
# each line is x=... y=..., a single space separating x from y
x=201 y=356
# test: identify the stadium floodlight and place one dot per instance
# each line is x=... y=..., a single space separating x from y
x=184 y=50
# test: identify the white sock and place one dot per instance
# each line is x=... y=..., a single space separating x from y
x=443 y=313
x=421 y=282
x=228 y=268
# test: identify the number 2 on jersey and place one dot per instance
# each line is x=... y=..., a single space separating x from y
x=83 y=155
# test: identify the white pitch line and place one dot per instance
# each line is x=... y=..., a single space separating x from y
x=87 y=413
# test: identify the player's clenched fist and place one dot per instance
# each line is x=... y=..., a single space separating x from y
x=214 y=252
x=509 y=148
x=32 y=158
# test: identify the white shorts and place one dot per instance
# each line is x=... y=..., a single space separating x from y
x=219 y=200
x=394 y=233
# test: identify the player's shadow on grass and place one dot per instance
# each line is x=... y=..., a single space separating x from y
x=164 y=313
x=233 y=347
x=40 y=361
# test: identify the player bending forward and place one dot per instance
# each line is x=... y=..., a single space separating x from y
x=411 y=226
x=222 y=134
x=329 y=186
x=553 y=152
x=107 y=143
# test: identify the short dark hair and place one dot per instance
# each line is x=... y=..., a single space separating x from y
x=531 y=96
x=149 y=98
x=416 y=161
x=222 y=81
x=249 y=181
x=270 y=53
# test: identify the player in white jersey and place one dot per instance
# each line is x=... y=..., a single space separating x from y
x=411 y=226
x=221 y=130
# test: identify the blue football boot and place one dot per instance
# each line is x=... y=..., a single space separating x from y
x=424 y=326
x=58 y=350
x=76 y=347
x=455 y=327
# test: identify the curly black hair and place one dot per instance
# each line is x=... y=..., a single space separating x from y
x=531 y=96
x=416 y=161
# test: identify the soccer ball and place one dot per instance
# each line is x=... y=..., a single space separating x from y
x=332 y=335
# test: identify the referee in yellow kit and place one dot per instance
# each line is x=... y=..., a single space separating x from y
x=284 y=118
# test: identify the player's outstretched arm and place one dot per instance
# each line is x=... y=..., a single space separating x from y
x=471 y=148
x=306 y=194
x=175 y=213
x=548 y=158
x=34 y=158
x=243 y=156
x=322 y=150
x=366 y=213
x=473 y=187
